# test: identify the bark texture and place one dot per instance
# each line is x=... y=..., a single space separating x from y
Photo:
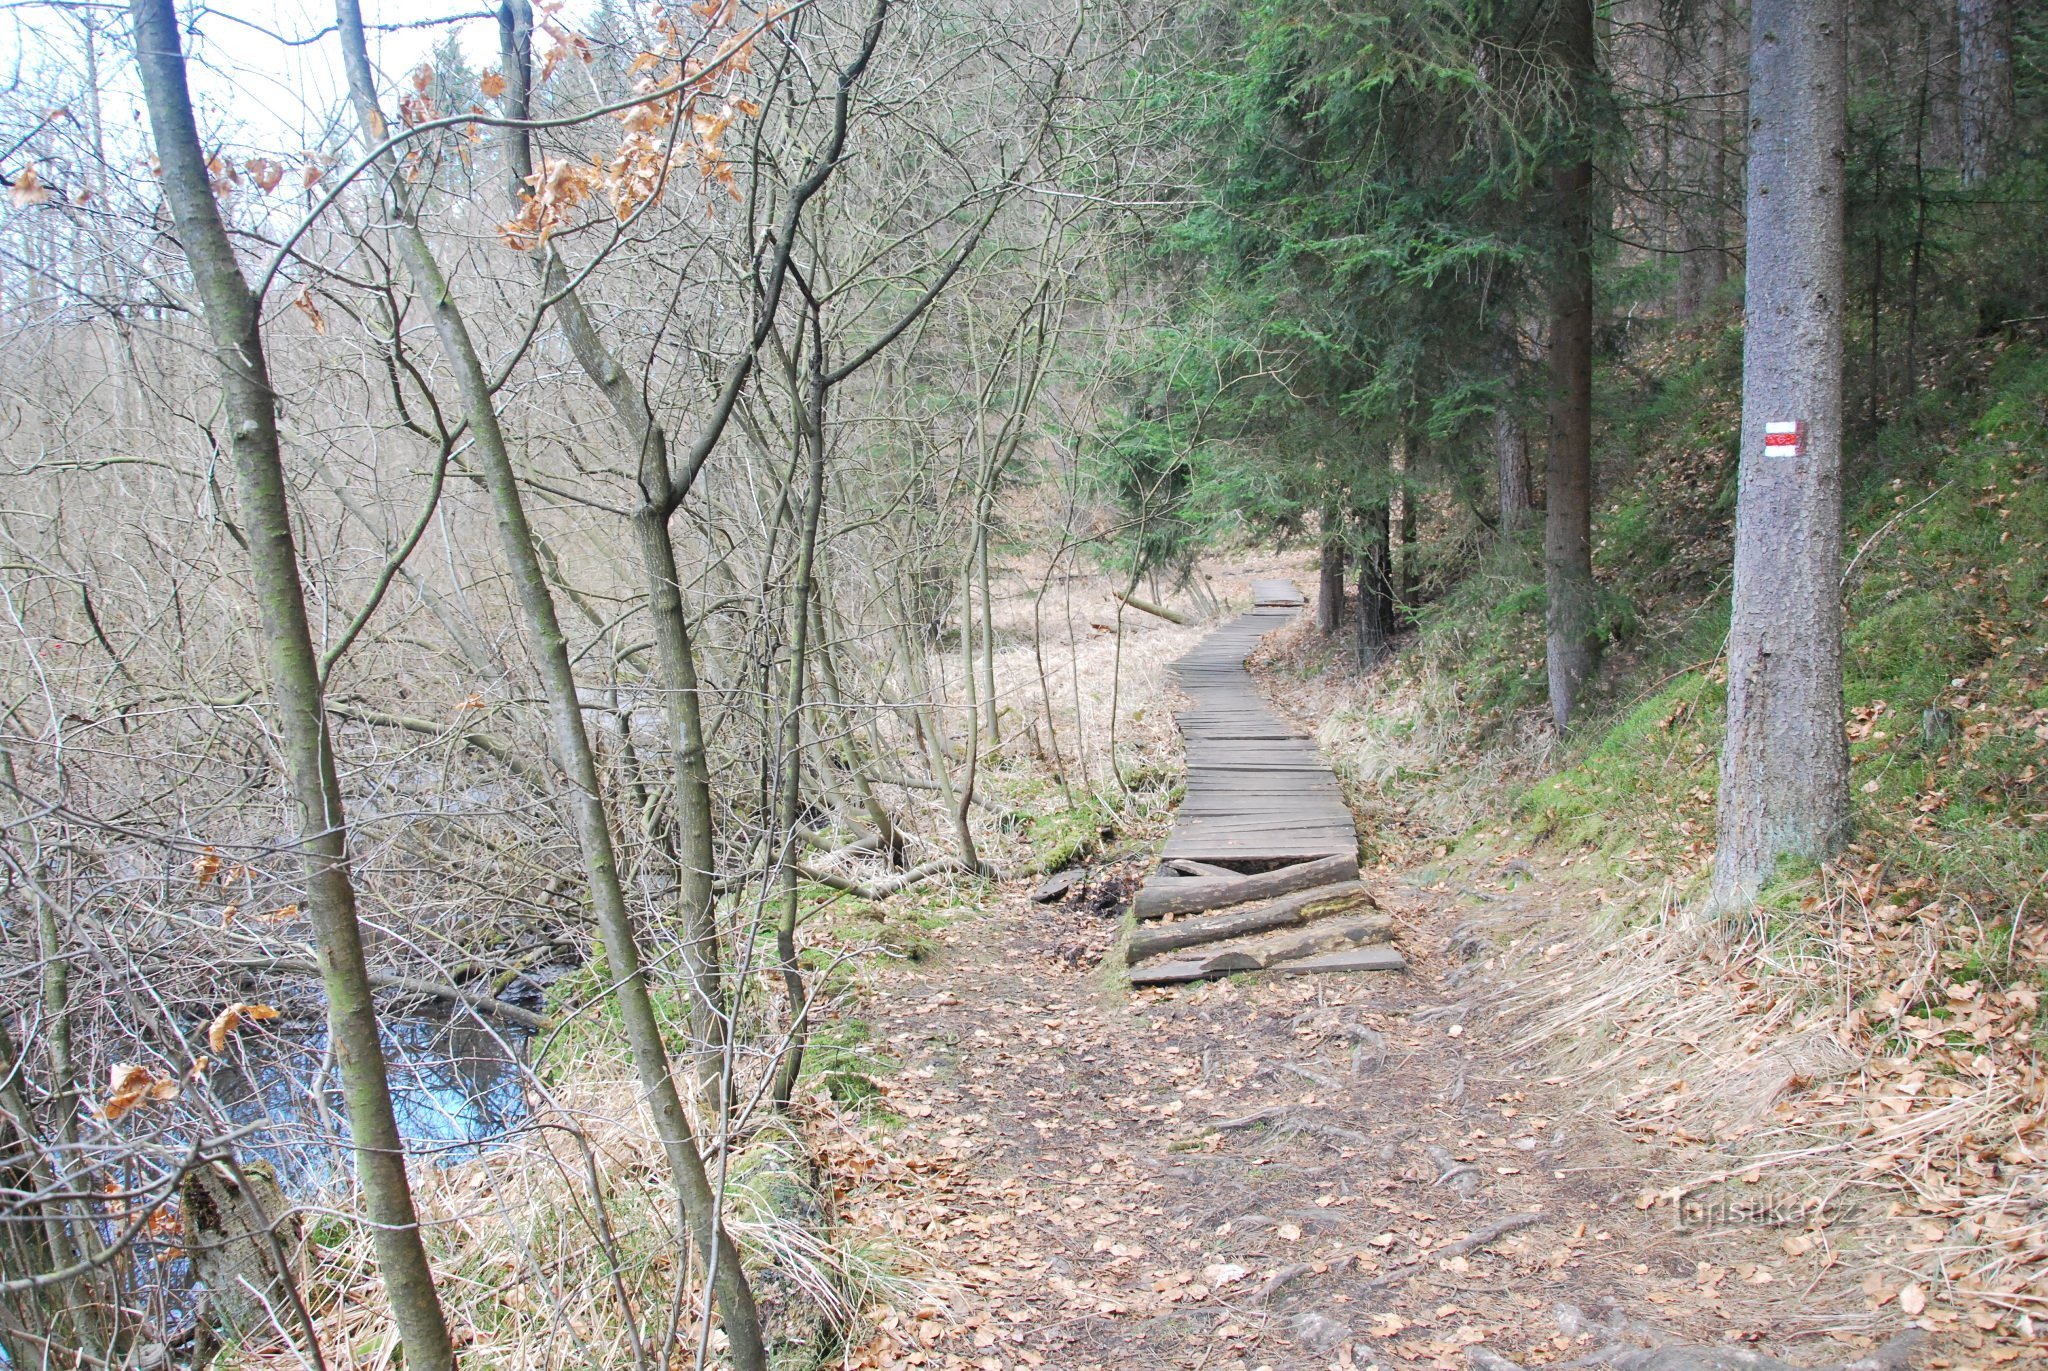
x=233 y=327
x=1785 y=764
x=1330 y=579
x=1511 y=455
x=1376 y=600
x=1985 y=85
x=1573 y=651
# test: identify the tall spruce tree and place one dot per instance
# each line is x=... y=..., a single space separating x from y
x=1785 y=764
x=1371 y=231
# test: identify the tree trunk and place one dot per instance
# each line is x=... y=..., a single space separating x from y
x=1330 y=582
x=1785 y=764
x=810 y=437
x=1510 y=438
x=1405 y=576
x=1511 y=455
x=549 y=646
x=1573 y=651
x=1985 y=86
x=233 y=324
x=1942 y=54
x=675 y=655
x=1375 y=589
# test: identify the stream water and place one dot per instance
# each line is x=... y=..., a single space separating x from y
x=456 y=1087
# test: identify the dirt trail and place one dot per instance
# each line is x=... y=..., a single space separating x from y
x=1269 y=1174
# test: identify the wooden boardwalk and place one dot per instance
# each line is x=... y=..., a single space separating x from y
x=1258 y=794
x=1260 y=873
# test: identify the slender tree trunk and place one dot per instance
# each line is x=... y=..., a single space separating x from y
x=1405 y=578
x=1785 y=763
x=1573 y=651
x=1916 y=255
x=1510 y=438
x=811 y=436
x=675 y=655
x=549 y=646
x=1330 y=576
x=1985 y=86
x=1375 y=623
x=233 y=324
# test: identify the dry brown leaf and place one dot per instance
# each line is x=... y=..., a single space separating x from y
x=232 y=1018
x=28 y=189
x=207 y=865
x=132 y=1085
x=309 y=307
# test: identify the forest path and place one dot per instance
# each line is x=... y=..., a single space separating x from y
x=1239 y=1175
x=1276 y=1173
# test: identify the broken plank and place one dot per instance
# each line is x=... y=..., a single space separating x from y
x=1290 y=947
x=1185 y=867
x=1323 y=902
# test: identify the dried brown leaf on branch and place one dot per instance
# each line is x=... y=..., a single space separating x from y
x=28 y=189
x=132 y=1085
x=206 y=867
x=308 y=306
x=233 y=1017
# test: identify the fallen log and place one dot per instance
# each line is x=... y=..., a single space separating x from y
x=1188 y=895
x=1323 y=902
x=1172 y=616
x=1274 y=949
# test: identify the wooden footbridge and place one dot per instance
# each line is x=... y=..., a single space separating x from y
x=1261 y=871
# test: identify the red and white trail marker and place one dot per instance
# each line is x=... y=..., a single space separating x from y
x=1784 y=438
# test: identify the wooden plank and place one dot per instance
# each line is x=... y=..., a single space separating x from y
x=1257 y=793
x=1274 y=592
x=1380 y=958
x=1183 y=867
x=1183 y=895
x=1292 y=946
x=1305 y=906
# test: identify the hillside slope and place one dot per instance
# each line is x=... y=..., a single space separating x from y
x=1872 y=1039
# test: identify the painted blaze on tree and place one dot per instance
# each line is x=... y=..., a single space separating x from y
x=1785 y=765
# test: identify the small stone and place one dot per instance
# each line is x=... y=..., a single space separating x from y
x=1318 y=1332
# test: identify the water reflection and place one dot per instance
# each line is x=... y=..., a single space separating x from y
x=456 y=1088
